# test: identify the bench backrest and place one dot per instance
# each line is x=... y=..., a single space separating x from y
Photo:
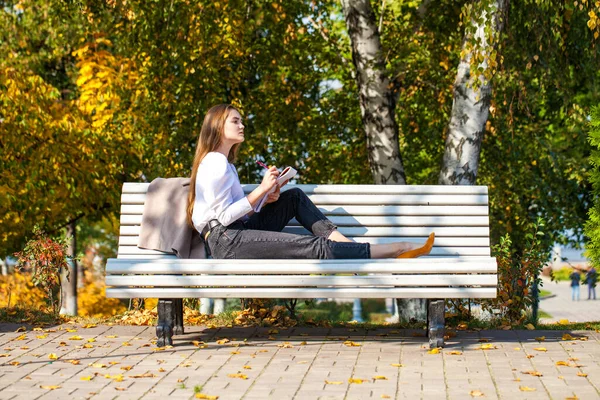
x=367 y=213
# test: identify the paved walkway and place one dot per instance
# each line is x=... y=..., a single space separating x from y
x=108 y=362
x=560 y=306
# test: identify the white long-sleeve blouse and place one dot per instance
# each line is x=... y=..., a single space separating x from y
x=219 y=194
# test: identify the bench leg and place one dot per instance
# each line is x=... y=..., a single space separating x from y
x=164 y=329
x=435 y=323
x=178 y=316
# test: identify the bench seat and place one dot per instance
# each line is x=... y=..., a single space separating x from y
x=459 y=266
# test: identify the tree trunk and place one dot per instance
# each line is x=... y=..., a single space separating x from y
x=69 y=287
x=375 y=94
x=470 y=107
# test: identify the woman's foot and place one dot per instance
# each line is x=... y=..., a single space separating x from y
x=419 y=251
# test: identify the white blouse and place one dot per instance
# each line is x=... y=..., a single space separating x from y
x=219 y=194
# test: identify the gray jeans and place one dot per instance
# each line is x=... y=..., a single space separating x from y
x=260 y=237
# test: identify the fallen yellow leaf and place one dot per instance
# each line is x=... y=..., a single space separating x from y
x=98 y=365
x=566 y=336
x=86 y=378
x=533 y=373
x=76 y=337
x=488 y=346
x=120 y=389
x=87 y=326
x=22 y=337
x=582 y=374
x=91 y=340
x=88 y=346
x=350 y=343
x=15 y=363
x=564 y=322
x=206 y=396
x=385 y=396
x=247 y=367
x=111 y=336
x=530 y=327
x=222 y=341
x=333 y=382
x=380 y=377
x=526 y=389
x=540 y=349
x=285 y=345
x=146 y=375
x=71 y=330
x=397 y=365
x=563 y=363
x=75 y=362
x=44 y=336
x=126 y=367
x=355 y=380
x=241 y=376
x=52 y=356
x=434 y=351
x=50 y=387
x=476 y=393
x=455 y=353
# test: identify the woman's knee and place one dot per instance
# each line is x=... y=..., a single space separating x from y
x=295 y=193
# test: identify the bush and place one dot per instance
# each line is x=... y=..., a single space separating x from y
x=46 y=257
x=517 y=273
x=592 y=226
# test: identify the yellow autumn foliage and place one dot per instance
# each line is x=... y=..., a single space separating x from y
x=92 y=302
x=18 y=289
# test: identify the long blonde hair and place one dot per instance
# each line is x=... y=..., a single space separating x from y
x=209 y=140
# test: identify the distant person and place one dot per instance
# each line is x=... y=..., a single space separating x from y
x=591 y=277
x=575 y=279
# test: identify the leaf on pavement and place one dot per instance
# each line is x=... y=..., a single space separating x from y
x=333 y=382
x=240 y=376
x=526 y=389
x=52 y=356
x=476 y=393
x=50 y=387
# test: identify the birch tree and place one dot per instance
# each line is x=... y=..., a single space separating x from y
x=472 y=91
x=375 y=94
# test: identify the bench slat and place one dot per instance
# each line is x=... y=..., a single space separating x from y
x=368 y=199
x=423 y=232
x=354 y=211
x=301 y=280
x=304 y=293
x=439 y=241
x=428 y=265
x=142 y=187
x=435 y=251
x=367 y=221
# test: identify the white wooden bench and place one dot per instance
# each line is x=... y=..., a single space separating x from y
x=459 y=266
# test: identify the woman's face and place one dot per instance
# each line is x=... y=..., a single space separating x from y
x=234 y=128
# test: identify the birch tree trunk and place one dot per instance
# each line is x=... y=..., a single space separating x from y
x=69 y=287
x=375 y=94
x=472 y=96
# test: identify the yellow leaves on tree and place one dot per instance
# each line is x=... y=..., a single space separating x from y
x=92 y=301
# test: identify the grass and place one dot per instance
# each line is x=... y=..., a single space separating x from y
x=544 y=293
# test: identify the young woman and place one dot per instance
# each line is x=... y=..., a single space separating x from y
x=219 y=210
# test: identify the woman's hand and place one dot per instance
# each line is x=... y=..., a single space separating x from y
x=273 y=197
x=270 y=179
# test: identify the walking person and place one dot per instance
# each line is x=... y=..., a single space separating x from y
x=591 y=277
x=575 y=280
x=230 y=222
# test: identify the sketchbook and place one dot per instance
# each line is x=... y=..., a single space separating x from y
x=287 y=174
